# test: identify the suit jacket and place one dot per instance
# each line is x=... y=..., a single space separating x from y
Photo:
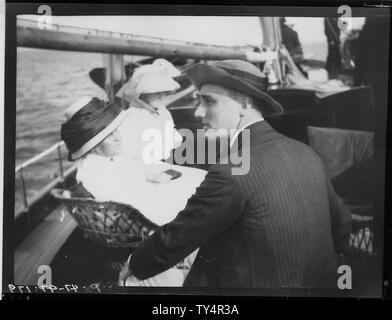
x=273 y=227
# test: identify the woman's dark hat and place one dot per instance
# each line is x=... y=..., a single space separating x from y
x=90 y=122
x=237 y=75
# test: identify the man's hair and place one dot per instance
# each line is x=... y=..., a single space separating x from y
x=241 y=97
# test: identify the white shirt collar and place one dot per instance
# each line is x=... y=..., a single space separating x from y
x=236 y=134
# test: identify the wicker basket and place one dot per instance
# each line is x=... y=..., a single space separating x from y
x=361 y=241
x=108 y=223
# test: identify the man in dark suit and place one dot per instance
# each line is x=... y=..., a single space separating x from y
x=278 y=225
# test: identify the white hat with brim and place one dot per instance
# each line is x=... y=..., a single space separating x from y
x=156 y=83
x=148 y=79
x=171 y=69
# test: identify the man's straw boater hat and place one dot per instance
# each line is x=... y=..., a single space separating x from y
x=89 y=122
x=240 y=76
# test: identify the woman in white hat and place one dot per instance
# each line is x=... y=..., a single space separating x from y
x=146 y=93
x=92 y=138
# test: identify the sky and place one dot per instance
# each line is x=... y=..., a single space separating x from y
x=316 y=25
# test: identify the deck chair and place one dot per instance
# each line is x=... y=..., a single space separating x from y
x=348 y=158
x=108 y=223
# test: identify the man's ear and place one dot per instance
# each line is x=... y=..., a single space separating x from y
x=242 y=109
x=245 y=105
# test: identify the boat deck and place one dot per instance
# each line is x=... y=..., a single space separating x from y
x=41 y=246
x=73 y=258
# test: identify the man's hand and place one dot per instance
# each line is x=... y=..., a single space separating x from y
x=125 y=273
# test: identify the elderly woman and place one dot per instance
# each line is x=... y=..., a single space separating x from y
x=92 y=138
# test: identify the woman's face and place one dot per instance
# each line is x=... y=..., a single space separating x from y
x=110 y=146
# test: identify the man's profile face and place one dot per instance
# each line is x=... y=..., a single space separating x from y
x=217 y=109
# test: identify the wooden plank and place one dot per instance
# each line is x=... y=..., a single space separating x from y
x=40 y=247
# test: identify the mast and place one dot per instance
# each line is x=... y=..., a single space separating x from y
x=272 y=38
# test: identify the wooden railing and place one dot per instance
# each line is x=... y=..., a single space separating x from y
x=19 y=170
x=92 y=40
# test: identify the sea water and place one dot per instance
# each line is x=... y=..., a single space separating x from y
x=48 y=82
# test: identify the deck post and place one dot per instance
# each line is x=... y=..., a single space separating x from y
x=272 y=38
x=114 y=64
x=26 y=204
x=60 y=162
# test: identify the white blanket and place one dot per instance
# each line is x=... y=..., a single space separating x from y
x=123 y=179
